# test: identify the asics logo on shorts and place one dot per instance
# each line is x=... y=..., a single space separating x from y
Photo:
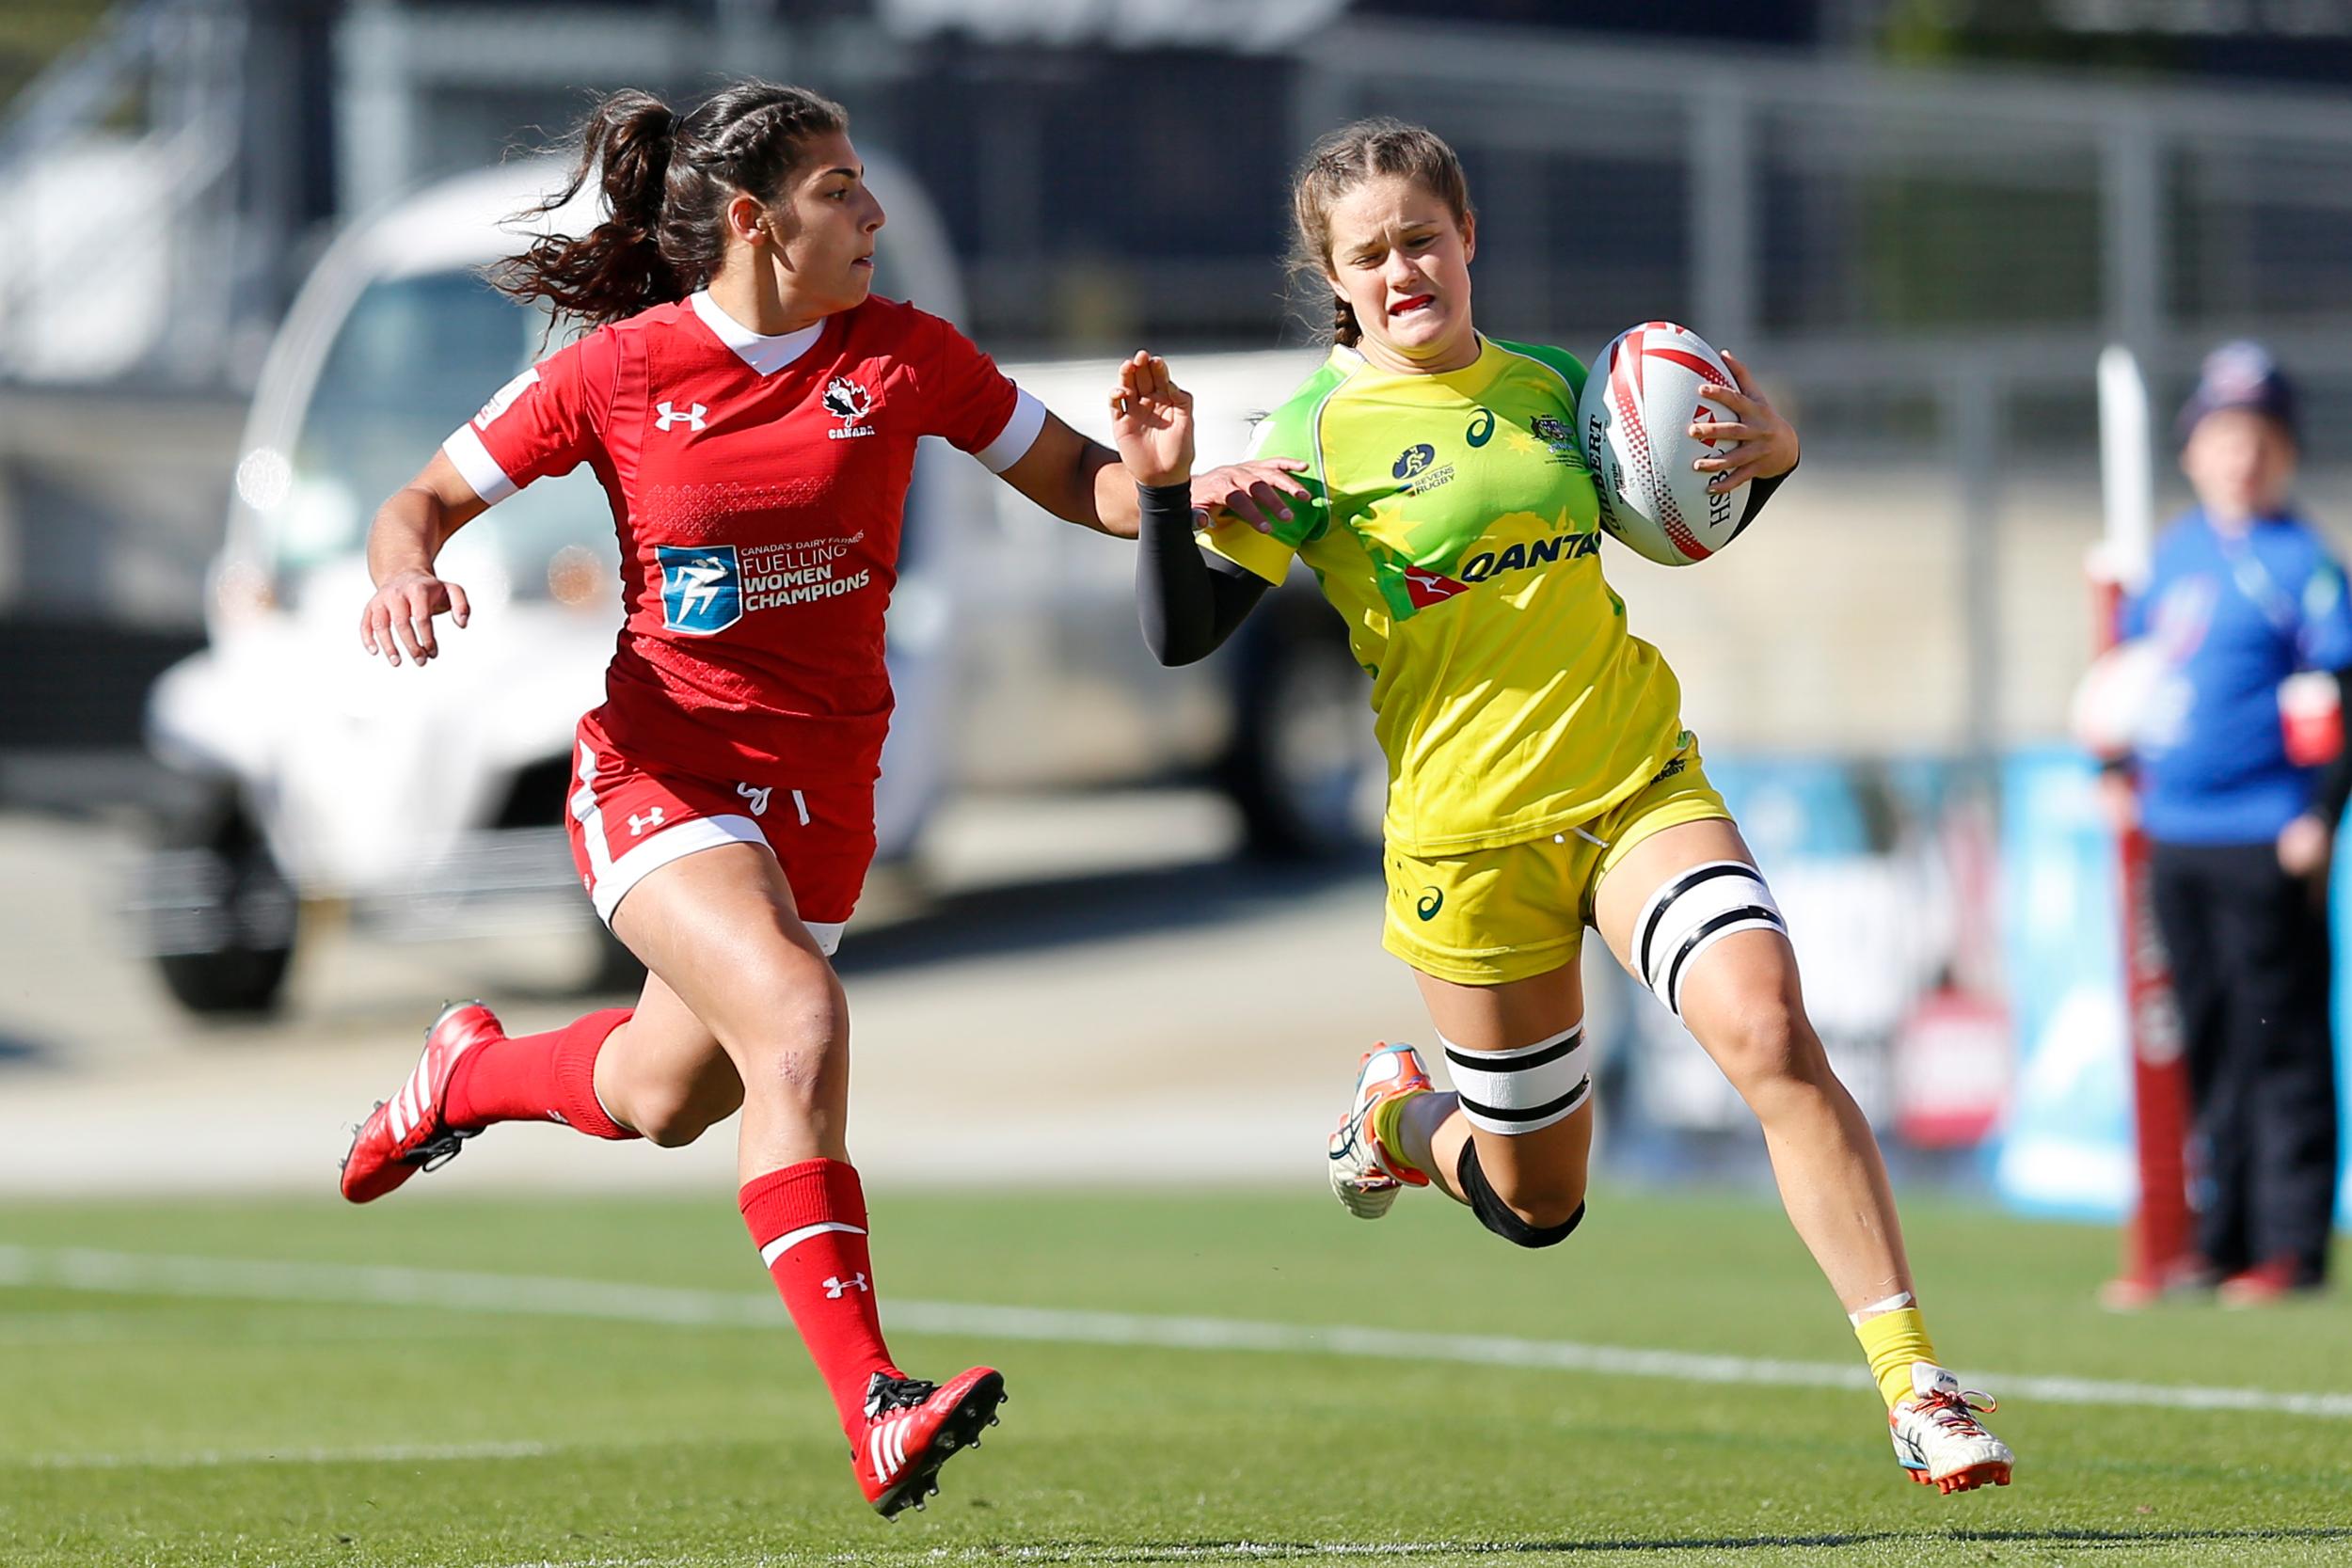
x=1432 y=901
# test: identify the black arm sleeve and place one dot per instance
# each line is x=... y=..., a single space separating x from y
x=2335 y=784
x=1759 y=491
x=1189 y=601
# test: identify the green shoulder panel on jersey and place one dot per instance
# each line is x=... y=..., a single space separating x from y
x=1294 y=430
x=1559 y=360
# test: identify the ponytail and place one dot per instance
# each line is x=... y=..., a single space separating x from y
x=616 y=269
x=667 y=181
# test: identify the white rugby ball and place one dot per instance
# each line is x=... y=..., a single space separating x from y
x=1649 y=385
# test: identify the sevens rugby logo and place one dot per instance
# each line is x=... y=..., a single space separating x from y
x=850 y=402
x=702 y=588
x=691 y=417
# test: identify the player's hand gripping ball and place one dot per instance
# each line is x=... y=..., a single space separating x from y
x=1649 y=386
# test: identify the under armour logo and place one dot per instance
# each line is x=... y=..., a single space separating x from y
x=836 y=1288
x=758 y=797
x=637 y=825
x=670 y=416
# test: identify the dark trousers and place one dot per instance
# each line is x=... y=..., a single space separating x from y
x=2248 y=950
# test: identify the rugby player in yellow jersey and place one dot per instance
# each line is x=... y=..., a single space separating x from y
x=1539 y=776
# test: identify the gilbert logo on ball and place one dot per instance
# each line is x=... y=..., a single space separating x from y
x=1647 y=387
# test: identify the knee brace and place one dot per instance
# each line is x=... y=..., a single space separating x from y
x=1524 y=1089
x=1692 y=913
x=1496 y=1215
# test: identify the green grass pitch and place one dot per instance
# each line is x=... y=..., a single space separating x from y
x=245 y=1415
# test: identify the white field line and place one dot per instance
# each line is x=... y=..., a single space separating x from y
x=151 y=1274
x=198 y=1459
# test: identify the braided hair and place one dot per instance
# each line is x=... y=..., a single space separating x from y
x=667 y=179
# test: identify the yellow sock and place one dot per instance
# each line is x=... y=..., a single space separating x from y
x=1385 y=1130
x=1893 y=1341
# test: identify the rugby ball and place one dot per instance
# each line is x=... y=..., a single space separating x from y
x=1649 y=385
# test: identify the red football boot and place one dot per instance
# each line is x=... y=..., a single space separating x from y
x=405 y=1134
x=914 y=1427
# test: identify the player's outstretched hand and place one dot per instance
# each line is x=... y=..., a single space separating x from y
x=1766 y=443
x=1152 y=421
x=1260 y=493
x=399 y=616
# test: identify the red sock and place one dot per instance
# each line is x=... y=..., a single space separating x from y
x=548 y=1077
x=809 y=1222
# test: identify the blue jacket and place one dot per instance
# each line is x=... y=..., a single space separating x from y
x=2235 y=616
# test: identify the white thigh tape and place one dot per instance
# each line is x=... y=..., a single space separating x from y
x=1524 y=1089
x=1692 y=913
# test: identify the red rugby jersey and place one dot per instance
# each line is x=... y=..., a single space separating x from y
x=757 y=485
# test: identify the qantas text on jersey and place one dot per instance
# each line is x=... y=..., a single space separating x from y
x=758 y=485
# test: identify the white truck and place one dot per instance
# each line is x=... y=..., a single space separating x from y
x=429 y=802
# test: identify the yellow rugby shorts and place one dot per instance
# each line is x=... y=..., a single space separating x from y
x=1489 y=916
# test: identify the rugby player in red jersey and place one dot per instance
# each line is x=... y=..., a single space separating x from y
x=752 y=411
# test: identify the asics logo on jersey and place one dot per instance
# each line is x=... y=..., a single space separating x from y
x=702 y=588
x=637 y=825
x=836 y=1288
x=1482 y=428
x=758 y=797
x=850 y=402
x=691 y=417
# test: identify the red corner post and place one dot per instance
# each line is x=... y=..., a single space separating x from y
x=2157 y=1244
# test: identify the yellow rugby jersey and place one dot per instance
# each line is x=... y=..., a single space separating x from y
x=1453 y=524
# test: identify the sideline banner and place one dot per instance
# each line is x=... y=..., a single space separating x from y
x=2066 y=1144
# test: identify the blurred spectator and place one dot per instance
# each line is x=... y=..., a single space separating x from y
x=2241 y=778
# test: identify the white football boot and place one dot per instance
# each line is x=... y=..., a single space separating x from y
x=1938 y=1440
x=1364 y=1177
